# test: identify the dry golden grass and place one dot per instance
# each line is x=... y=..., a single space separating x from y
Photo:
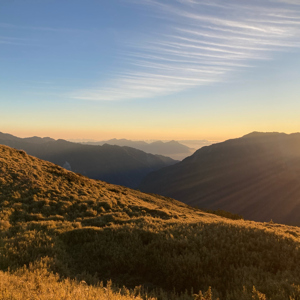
x=95 y=231
x=41 y=285
x=37 y=283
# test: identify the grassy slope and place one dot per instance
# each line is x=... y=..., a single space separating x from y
x=93 y=230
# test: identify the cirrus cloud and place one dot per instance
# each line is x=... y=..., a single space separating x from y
x=200 y=43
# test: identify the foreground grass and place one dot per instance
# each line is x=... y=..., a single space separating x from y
x=41 y=285
x=37 y=283
x=94 y=231
x=33 y=286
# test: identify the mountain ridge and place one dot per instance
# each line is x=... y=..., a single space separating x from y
x=238 y=175
x=120 y=165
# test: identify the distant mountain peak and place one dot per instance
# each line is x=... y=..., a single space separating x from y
x=173 y=142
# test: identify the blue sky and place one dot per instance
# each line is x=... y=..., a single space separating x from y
x=149 y=69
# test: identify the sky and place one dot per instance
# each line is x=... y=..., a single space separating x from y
x=149 y=69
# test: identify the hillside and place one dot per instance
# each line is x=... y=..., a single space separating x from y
x=94 y=231
x=118 y=165
x=171 y=149
x=257 y=176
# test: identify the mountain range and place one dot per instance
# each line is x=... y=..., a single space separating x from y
x=171 y=149
x=119 y=165
x=54 y=221
x=257 y=176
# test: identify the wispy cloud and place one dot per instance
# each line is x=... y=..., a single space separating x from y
x=294 y=2
x=200 y=43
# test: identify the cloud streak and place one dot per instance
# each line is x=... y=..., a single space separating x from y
x=200 y=43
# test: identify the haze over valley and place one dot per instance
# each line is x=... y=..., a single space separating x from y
x=172 y=149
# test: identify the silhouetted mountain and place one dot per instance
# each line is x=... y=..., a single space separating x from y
x=172 y=149
x=34 y=139
x=38 y=140
x=6 y=136
x=257 y=176
x=119 y=165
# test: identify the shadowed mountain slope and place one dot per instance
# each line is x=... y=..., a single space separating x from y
x=119 y=165
x=92 y=230
x=257 y=176
x=172 y=149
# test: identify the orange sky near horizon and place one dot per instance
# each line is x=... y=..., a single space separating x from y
x=99 y=135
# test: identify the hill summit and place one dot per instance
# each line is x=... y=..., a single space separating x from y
x=90 y=230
